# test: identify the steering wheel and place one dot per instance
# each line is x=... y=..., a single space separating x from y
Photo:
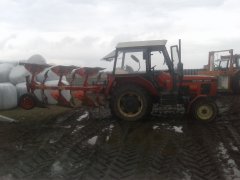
x=153 y=68
x=129 y=69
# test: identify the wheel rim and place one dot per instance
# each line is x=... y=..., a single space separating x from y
x=27 y=103
x=130 y=104
x=205 y=112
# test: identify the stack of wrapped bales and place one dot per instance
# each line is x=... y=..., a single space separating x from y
x=13 y=83
x=8 y=92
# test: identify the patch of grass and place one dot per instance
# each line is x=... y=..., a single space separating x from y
x=35 y=115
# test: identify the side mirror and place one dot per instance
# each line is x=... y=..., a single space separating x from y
x=135 y=58
x=174 y=53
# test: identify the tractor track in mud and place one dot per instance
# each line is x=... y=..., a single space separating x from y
x=164 y=146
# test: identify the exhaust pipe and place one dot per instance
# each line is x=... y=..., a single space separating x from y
x=179 y=50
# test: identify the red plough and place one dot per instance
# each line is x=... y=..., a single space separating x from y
x=89 y=95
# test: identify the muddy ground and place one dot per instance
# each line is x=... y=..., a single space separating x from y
x=93 y=145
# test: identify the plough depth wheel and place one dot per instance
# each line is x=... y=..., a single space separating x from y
x=27 y=101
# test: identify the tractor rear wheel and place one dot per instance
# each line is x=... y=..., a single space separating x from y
x=27 y=101
x=130 y=103
x=204 y=110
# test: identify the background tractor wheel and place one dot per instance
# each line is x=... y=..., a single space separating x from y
x=130 y=103
x=27 y=101
x=204 y=110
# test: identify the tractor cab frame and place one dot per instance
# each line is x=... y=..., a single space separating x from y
x=144 y=66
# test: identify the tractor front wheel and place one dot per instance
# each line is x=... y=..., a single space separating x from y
x=204 y=110
x=130 y=103
x=27 y=101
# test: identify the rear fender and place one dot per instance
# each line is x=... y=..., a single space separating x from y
x=136 y=80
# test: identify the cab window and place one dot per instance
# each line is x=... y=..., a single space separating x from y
x=158 y=61
x=129 y=62
x=219 y=60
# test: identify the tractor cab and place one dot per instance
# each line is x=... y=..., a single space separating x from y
x=148 y=61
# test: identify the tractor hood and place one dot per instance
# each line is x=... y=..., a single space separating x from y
x=198 y=78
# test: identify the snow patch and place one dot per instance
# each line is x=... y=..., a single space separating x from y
x=77 y=129
x=155 y=127
x=178 y=129
x=187 y=176
x=7 y=119
x=85 y=115
x=234 y=147
x=111 y=126
x=108 y=128
x=231 y=169
x=52 y=141
x=93 y=140
x=56 y=167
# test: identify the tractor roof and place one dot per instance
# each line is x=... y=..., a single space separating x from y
x=141 y=43
x=134 y=44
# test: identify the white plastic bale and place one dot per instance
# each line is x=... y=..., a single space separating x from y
x=8 y=96
x=51 y=76
x=22 y=89
x=37 y=59
x=18 y=74
x=5 y=69
x=66 y=93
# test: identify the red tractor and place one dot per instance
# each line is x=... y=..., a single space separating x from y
x=226 y=67
x=144 y=74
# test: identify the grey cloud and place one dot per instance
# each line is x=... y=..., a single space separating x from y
x=67 y=15
x=68 y=50
x=188 y=3
x=87 y=30
x=154 y=3
x=227 y=43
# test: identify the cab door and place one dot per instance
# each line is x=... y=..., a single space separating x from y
x=160 y=70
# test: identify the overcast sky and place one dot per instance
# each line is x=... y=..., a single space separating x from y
x=81 y=32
